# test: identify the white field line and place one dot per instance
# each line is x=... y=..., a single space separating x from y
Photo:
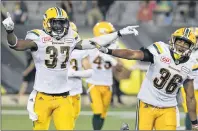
x=127 y=114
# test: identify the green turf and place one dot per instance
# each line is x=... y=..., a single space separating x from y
x=17 y=122
x=86 y=108
x=22 y=122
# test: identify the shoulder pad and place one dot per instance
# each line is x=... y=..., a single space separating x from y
x=159 y=46
x=35 y=31
x=75 y=35
x=33 y=34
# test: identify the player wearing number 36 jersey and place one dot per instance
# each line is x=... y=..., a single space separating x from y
x=51 y=48
x=171 y=66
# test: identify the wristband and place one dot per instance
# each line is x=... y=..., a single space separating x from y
x=9 y=31
x=14 y=44
x=119 y=34
x=109 y=51
x=194 y=122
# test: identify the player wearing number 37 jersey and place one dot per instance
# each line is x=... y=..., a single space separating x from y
x=171 y=66
x=51 y=48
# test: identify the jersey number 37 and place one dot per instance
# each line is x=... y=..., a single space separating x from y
x=52 y=51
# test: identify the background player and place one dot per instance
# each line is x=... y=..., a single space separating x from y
x=51 y=49
x=171 y=66
x=102 y=79
x=78 y=61
x=28 y=76
x=195 y=68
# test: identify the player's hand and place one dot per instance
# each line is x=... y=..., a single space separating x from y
x=128 y=30
x=8 y=23
x=99 y=47
x=195 y=127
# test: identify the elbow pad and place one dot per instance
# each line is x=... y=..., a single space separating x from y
x=148 y=57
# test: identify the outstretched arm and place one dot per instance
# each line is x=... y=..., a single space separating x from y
x=191 y=102
x=106 y=39
x=12 y=39
x=127 y=54
x=142 y=54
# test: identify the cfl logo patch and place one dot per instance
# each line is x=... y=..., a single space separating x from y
x=165 y=60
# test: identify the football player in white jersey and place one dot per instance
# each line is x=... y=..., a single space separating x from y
x=78 y=61
x=102 y=78
x=195 y=68
x=51 y=48
x=171 y=66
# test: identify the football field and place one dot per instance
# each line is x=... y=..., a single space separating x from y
x=16 y=118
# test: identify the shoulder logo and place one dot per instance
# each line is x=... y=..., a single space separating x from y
x=165 y=60
x=46 y=39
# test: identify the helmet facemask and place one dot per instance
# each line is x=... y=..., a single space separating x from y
x=181 y=48
x=59 y=27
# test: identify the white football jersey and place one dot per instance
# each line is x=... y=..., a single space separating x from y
x=195 y=68
x=76 y=64
x=164 y=77
x=102 y=66
x=52 y=60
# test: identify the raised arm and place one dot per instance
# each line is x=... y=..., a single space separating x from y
x=12 y=39
x=191 y=102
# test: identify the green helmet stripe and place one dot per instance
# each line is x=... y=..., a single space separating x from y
x=59 y=11
x=56 y=11
x=187 y=32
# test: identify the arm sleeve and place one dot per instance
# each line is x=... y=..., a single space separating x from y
x=101 y=40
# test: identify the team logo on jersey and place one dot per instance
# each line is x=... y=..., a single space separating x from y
x=185 y=69
x=46 y=39
x=69 y=41
x=165 y=60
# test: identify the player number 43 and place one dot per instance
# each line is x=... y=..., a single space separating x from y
x=98 y=61
x=53 y=53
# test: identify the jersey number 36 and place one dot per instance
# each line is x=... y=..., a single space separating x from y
x=162 y=80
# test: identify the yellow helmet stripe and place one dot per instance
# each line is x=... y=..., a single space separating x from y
x=187 y=32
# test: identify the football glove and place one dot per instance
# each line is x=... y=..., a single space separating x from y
x=195 y=127
x=128 y=30
x=124 y=126
x=99 y=47
x=8 y=23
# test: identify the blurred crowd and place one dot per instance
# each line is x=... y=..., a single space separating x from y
x=156 y=12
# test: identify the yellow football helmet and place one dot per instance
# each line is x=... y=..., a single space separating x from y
x=186 y=35
x=102 y=28
x=73 y=26
x=195 y=31
x=56 y=22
